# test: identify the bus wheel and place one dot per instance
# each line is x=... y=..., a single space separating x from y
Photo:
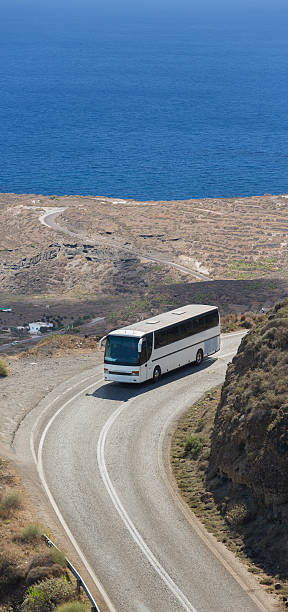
x=156 y=374
x=199 y=357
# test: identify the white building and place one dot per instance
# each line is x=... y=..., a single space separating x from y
x=34 y=328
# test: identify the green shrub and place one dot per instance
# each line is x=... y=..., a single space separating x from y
x=237 y=515
x=3 y=368
x=11 y=574
x=193 y=445
x=73 y=606
x=267 y=581
x=282 y=385
x=44 y=596
x=58 y=556
x=30 y=533
x=8 y=502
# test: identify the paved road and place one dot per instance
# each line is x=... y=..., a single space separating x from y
x=101 y=450
x=31 y=340
x=34 y=339
x=48 y=219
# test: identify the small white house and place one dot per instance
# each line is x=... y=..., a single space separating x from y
x=34 y=328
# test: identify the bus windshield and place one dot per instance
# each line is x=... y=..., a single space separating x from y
x=122 y=350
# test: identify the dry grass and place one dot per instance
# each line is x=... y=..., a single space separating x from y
x=237 y=232
x=15 y=515
x=190 y=468
x=57 y=345
x=10 y=502
x=3 y=368
x=31 y=533
x=24 y=557
x=234 y=321
x=75 y=606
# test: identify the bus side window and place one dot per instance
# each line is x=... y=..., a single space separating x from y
x=215 y=318
x=160 y=338
x=209 y=320
x=173 y=334
x=196 y=326
x=149 y=343
x=146 y=349
x=202 y=323
x=186 y=329
x=212 y=319
x=143 y=355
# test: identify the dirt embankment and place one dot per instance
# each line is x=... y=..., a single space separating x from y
x=230 y=453
x=32 y=377
x=248 y=465
x=190 y=451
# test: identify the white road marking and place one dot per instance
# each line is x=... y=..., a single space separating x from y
x=196 y=524
x=124 y=516
x=40 y=470
x=44 y=412
x=32 y=447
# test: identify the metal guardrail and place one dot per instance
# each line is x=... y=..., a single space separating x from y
x=80 y=582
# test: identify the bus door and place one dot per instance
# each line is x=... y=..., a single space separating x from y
x=145 y=357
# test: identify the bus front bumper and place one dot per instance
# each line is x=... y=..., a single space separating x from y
x=125 y=377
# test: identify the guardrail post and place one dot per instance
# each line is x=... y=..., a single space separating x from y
x=80 y=582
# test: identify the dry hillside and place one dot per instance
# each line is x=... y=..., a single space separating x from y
x=248 y=469
x=93 y=255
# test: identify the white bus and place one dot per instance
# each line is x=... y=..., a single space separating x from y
x=147 y=349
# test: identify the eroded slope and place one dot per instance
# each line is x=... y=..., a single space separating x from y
x=248 y=467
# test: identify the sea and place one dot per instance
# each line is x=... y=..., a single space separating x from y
x=148 y=100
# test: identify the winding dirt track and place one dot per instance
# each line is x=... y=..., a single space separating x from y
x=48 y=219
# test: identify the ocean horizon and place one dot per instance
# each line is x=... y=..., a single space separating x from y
x=157 y=103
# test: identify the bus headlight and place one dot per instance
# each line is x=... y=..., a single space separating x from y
x=135 y=373
x=106 y=370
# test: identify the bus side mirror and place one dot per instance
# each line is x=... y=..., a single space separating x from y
x=140 y=345
x=101 y=342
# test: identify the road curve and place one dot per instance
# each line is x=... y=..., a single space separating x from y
x=100 y=453
x=49 y=217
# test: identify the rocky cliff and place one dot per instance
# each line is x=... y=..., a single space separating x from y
x=248 y=466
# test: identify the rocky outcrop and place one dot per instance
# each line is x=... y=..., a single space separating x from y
x=91 y=252
x=249 y=451
x=66 y=266
x=32 y=261
x=250 y=439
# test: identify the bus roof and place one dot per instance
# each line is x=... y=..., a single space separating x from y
x=163 y=320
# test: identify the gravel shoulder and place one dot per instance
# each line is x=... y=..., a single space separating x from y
x=29 y=382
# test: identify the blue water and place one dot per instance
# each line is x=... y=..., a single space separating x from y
x=148 y=100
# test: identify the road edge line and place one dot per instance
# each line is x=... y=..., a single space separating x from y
x=41 y=473
x=209 y=540
x=138 y=539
